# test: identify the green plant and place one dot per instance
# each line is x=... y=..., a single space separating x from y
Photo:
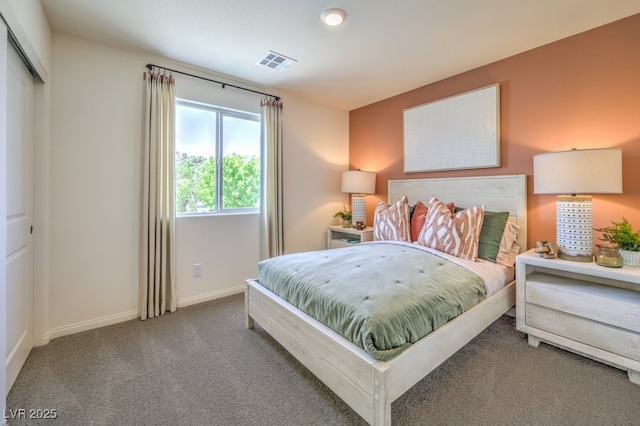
x=196 y=182
x=344 y=214
x=621 y=234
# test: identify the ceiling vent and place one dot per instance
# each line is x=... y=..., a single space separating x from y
x=276 y=61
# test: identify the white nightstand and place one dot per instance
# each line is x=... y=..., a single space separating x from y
x=582 y=307
x=337 y=236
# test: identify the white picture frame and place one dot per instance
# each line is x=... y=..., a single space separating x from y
x=454 y=133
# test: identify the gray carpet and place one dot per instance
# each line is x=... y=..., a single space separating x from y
x=199 y=366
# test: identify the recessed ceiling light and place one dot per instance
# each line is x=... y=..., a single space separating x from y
x=333 y=17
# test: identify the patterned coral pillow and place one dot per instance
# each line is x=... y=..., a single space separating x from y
x=391 y=222
x=456 y=234
x=419 y=217
x=509 y=246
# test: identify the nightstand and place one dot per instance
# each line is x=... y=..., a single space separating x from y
x=337 y=236
x=582 y=307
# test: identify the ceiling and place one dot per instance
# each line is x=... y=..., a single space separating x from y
x=384 y=48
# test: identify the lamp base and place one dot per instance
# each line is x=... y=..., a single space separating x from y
x=574 y=229
x=358 y=208
x=576 y=258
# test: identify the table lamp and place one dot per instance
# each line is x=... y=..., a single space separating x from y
x=358 y=183
x=584 y=171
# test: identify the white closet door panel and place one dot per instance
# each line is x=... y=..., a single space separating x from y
x=19 y=261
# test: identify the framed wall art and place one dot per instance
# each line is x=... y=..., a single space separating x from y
x=458 y=132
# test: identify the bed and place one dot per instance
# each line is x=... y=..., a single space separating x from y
x=369 y=385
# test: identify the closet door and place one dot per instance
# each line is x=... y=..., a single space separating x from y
x=20 y=113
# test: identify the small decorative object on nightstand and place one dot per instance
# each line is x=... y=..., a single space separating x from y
x=545 y=249
x=345 y=215
x=608 y=256
x=359 y=225
x=337 y=236
x=621 y=235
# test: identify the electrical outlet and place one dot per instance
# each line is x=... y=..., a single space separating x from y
x=197 y=269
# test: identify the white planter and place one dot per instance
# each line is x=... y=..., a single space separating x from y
x=630 y=258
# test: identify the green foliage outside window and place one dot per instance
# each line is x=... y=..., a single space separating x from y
x=196 y=180
x=240 y=182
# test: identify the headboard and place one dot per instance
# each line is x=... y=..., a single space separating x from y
x=496 y=193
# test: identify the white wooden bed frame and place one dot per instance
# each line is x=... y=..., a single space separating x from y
x=367 y=385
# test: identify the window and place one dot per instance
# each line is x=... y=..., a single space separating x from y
x=205 y=134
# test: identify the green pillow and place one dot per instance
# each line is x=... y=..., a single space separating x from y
x=491 y=234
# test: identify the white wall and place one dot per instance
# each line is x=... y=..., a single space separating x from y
x=96 y=108
x=316 y=153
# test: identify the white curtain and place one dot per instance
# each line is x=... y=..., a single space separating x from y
x=157 y=290
x=271 y=204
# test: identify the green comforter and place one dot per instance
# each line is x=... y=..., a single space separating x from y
x=381 y=296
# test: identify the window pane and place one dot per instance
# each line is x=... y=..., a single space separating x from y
x=195 y=160
x=240 y=163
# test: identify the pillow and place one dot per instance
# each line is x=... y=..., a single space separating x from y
x=392 y=222
x=491 y=234
x=509 y=246
x=417 y=220
x=419 y=216
x=456 y=234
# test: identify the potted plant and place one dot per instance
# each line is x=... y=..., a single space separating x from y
x=622 y=235
x=345 y=215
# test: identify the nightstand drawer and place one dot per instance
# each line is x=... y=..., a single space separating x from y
x=604 y=304
x=598 y=335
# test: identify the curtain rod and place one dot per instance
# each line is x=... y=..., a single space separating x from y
x=277 y=98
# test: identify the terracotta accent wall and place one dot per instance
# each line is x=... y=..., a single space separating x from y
x=579 y=92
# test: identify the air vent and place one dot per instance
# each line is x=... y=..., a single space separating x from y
x=276 y=61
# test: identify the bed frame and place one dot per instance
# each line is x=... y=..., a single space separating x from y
x=367 y=385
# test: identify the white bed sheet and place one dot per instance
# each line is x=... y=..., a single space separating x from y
x=494 y=275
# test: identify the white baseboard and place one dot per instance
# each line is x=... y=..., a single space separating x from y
x=44 y=339
x=91 y=324
x=210 y=296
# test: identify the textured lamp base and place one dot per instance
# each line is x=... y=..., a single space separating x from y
x=358 y=208
x=574 y=229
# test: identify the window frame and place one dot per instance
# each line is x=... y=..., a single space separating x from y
x=220 y=113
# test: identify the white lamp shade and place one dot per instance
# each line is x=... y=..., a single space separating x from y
x=584 y=171
x=358 y=182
